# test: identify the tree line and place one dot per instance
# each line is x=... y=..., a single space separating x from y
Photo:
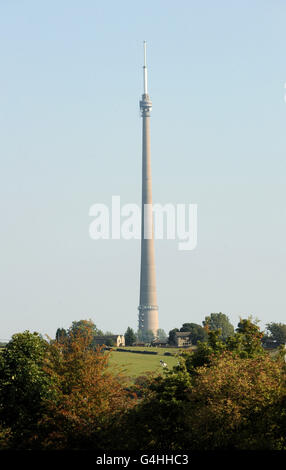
x=274 y=335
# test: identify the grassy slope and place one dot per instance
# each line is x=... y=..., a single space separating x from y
x=134 y=365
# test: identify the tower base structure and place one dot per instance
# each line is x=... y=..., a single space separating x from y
x=148 y=319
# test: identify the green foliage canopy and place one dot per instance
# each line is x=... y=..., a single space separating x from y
x=161 y=335
x=24 y=384
x=172 y=336
x=277 y=332
x=129 y=336
x=219 y=321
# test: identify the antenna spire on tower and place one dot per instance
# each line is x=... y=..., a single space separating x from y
x=145 y=71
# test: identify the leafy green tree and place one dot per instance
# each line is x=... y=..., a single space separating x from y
x=61 y=334
x=157 y=422
x=245 y=343
x=23 y=385
x=84 y=327
x=249 y=336
x=145 y=336
x=129 y=336
x=148 y=336
x=197 y=332
x=187 y=327
x=172 y=336
x=213 y=347
x=161 y=335
x=219 y=321
x=277 y=332
x=88 y=397
x=234 y=404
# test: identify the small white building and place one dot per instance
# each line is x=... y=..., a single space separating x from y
x=182 y=339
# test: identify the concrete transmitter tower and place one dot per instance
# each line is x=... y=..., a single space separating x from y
x=148 y=308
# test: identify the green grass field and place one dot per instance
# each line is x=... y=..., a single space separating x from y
x=133 y=365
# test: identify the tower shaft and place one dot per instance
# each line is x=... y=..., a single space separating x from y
x=148 y=308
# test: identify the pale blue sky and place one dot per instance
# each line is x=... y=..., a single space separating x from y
x=70 y=136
